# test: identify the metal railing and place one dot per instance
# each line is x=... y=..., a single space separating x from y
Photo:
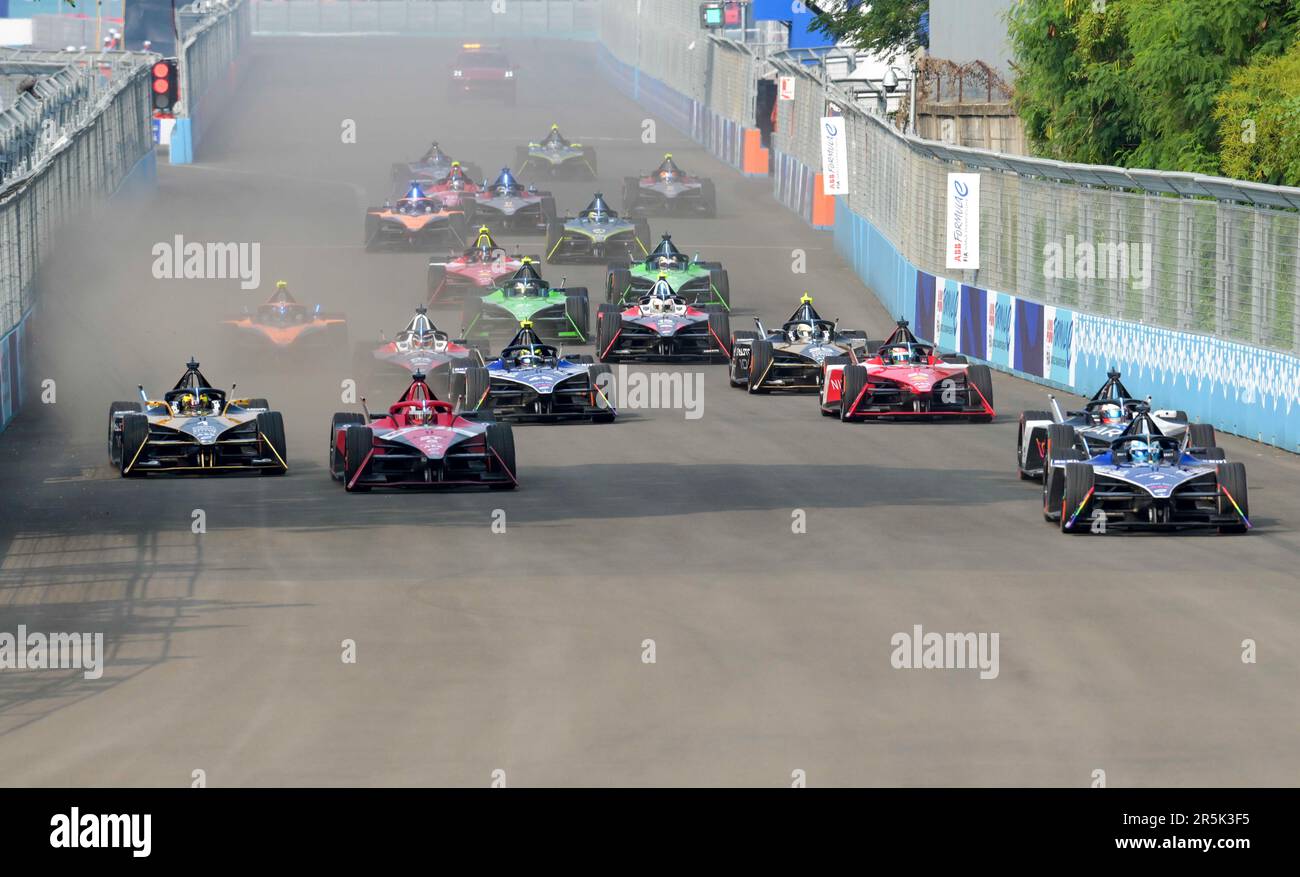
x=449 y=18
x=66 y=143
x=213 y=41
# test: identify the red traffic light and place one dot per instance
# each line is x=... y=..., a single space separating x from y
x=160 y=86
x=161 y=70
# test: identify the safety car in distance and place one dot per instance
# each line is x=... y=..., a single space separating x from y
x=662 y=326
x=533 y=381
x=669 y=191
x=700 y=283
x=557 y=156
x=557 y=313
x=1103 y=418
x=482 y=71
x=906 y=379
x=1143 y=480
x=420 y=442
x=196 y=429
x=791 y=358
x=596 y=233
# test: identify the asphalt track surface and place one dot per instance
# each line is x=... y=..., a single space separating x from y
x=522 y=651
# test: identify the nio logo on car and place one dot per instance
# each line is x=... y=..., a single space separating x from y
x=945 y=651
x=178 y=260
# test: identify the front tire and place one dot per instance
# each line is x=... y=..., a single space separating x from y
x=1232 y=480
x=1078 y=484
x=761 y=357
x=270 y=428
x=135 y=433
x=501 y=447
x=357 y=445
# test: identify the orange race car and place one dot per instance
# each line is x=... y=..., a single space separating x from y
x=415 y=220
x=282 y=323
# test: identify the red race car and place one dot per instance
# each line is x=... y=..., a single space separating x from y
x=904 y=378
x=421 y=442
x=455 y=191
x=482 y=267
x=282 y=323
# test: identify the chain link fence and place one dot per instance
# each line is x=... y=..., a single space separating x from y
x=1177 y=251
x=209 y=48
x=67 y=142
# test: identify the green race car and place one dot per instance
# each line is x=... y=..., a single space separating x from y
x=700 y=283
x=557 y=314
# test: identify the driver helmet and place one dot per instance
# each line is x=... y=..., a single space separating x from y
x=803 y=333
x=900 y=355
x=527 y=357
x=205 y=402
x=1111 y=412
x=1144 y=452
x=417 y=416
x=665 y=263
x=186 y=403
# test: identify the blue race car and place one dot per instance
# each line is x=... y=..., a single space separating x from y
x=1143 y=480
x=532 y=381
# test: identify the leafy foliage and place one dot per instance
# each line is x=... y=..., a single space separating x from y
x=884 y=26
x=1259 y=121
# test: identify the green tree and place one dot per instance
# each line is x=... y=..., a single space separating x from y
x=1134 y=82
x=884 y=26
x=1258 y=115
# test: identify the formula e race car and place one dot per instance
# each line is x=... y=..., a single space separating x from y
x=907 y=379
x=420 y=347
x=281 y=323
x=1103 y=419
x=594 y=234
x=435 y=166
x=420 y=442
x=196 y=428
x=534 y=381
x=669 y=191
x=456 y=191
x=417 y=219
x=557 y=156
x=481 y=268
x=1143 y=480
x=792 y=357
x=559 y=314
x=662 y=326
x=507 y=204
x=482 y=71
x=700 y=283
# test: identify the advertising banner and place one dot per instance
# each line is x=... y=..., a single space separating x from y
x=963 y=223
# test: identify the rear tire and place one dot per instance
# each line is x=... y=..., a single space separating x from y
x=644 y=243
x=1232 y=478
x=501 y=445
x=1200 y=435
x=554 y=235
x=618 y=280
x=720 y=329
x=577 y=309
x=1026 y=416
x=357 y=445
x=720 y=283
x=735 y=376
x=608 y=323
x=710 y=197
x=631 y=196
x=476 y=390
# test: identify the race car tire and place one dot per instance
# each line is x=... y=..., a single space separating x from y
x=720 y=328
x=761 y=357
x=458 y=223
x=644 y=243
x=720 y=282
x=577 y=309
x=1213 y=454
x=501 y=444
x=1053 y=478
x=470 y=311
x=618 y=279
x=709 y=196
x=607 y=326
x=270 y=425
x=371 y=233
x=437 y=279
x=1078 y=483
x=852 y=381
x=135 y=432
x=1200 y=435
x=1060 y=438
x=980 y=378
x=114 y=445
x=954 y=358
x=1232 y=478
x=581 y=359
x=337 y=422
x=475 y=393
x=258 y=403
x=1026 y=416
x=548 y=210
x=601 y=376
x=631 y=196
x=589 y=155
x=737 y=374
x=357 y=445
x=831 y=360
x=554 y=235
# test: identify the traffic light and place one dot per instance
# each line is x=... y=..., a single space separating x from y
x=166 y=89
x=711 y=15
x=721 y=13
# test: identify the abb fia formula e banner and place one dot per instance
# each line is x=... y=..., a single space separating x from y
x=835 y=156
x=963 y=223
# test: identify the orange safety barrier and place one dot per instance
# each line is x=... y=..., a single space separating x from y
x=823 y=205
x=753 y=157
